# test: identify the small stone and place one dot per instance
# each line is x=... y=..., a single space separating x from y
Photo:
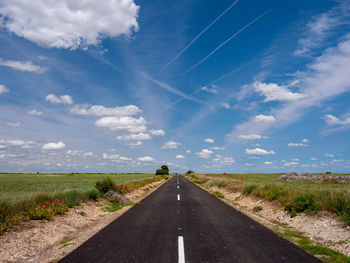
x=280 y=217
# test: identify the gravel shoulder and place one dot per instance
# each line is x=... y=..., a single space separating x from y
x=49 y=241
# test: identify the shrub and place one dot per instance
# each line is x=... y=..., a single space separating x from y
x=302 y=203
x=257 y=209
x=165 y=167
x=189 y=172
x=105 y=185
x=162 y=172
x=94 y=194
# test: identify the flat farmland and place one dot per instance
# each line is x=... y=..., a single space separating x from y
x=16 y=187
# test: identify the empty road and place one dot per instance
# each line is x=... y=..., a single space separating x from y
x=181 y=222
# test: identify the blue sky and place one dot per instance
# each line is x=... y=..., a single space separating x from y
x=212 y=86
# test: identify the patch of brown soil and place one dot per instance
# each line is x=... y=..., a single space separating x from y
x=48 y=241
x=324 y=228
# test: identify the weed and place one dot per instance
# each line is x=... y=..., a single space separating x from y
x=199 y=181
x=303 y=203
x=105 y=185
x=66 y=242
x=257 y=209
x=113 y=206
x=218 y=194
x=248 y=189
x=82 y=213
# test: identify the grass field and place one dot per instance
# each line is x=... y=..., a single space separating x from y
x=16 y=187
x=31 y=196
x=296 y=196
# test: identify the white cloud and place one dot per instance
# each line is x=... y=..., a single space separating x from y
x=258 y=151
x=252 y=137
x=123 y=124
x=3 y=89
x=22 y=65
x=171 y=145
x=212 y=89
x=274 y=92
x=330 y=155
x=226 y=105
x=115 y=157
x=205 y=154
x=291 y=144
x=305 y=140
x=135 y=144
x=188 y=151
x=223 y=160
x=53 y=146
x=159 y=132
x=265 y=118
x=98 y=110
x=14 y=124
x=332 y=120
x=18 y=143
x=135 y=137
x=217 y=148
x=295 y=160
x=64 y=99
x=69 y=24
x=268 y=163
x=313 y=159
x=179 y=156
x=290 y=164
x=34 y=112
x=79 y=153
x=209 y=140
x=146 y=159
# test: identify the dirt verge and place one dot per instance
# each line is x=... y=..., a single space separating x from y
x=49 y=241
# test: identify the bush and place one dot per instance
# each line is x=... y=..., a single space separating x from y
x=257 y=208
x=302 y=203
x=94 y=194
x=189 y=172
x=105 y=185
x=165 y=167
x=162 y=172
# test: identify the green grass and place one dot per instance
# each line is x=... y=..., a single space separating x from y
x=218 y=194
x=296 y=196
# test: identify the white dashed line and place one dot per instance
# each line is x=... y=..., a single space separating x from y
x=178 y=187
x=178 y=197
x=181 y=249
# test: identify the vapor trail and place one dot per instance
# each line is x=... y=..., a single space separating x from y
x=201 y=33
x=224 y=43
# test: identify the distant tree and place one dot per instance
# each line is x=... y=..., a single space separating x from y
x=165 y=167
x=162 y=172
x=189 y=172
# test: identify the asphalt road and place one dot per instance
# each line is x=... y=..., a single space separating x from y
x=181 y=222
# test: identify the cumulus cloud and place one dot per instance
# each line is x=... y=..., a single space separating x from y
x=135 y=137
x=159 y=132
x=3 y=89
x=171 y=145
x=211 y=89
x=179 y=156
x=265 y=118
x=268 y=163
x=223 y=160
x=14 y=124
x=98 y=110
x=146 y=159
x=332 y=120
x=115 y=157
x=69 y=24
x=330 y=155
x=258 y=151
x=135 y=144
x=251 y=136
x=53 y=146
x=79 y=153
x=217 y=148
x=22 y=65
x=205 y=154
x=188 y=151
x=64 y=99
x=305 y=140
x=17 y=143
x=313 y=159
x=123 y=124
x=34 y=112
x=291 y=164
x=274 y=92
x=209 y=140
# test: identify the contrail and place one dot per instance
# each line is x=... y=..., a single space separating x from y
x=224 y=43
x=201 y=33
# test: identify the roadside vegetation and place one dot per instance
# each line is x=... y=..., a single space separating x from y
x=296 y=196
x=38 y=197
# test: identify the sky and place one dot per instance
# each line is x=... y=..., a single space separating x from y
x=211 y=86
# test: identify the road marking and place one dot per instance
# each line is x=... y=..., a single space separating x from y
x=178 y=197
x=181 y=249
x=177 y=187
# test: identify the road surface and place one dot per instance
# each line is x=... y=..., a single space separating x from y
x=181 y=222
